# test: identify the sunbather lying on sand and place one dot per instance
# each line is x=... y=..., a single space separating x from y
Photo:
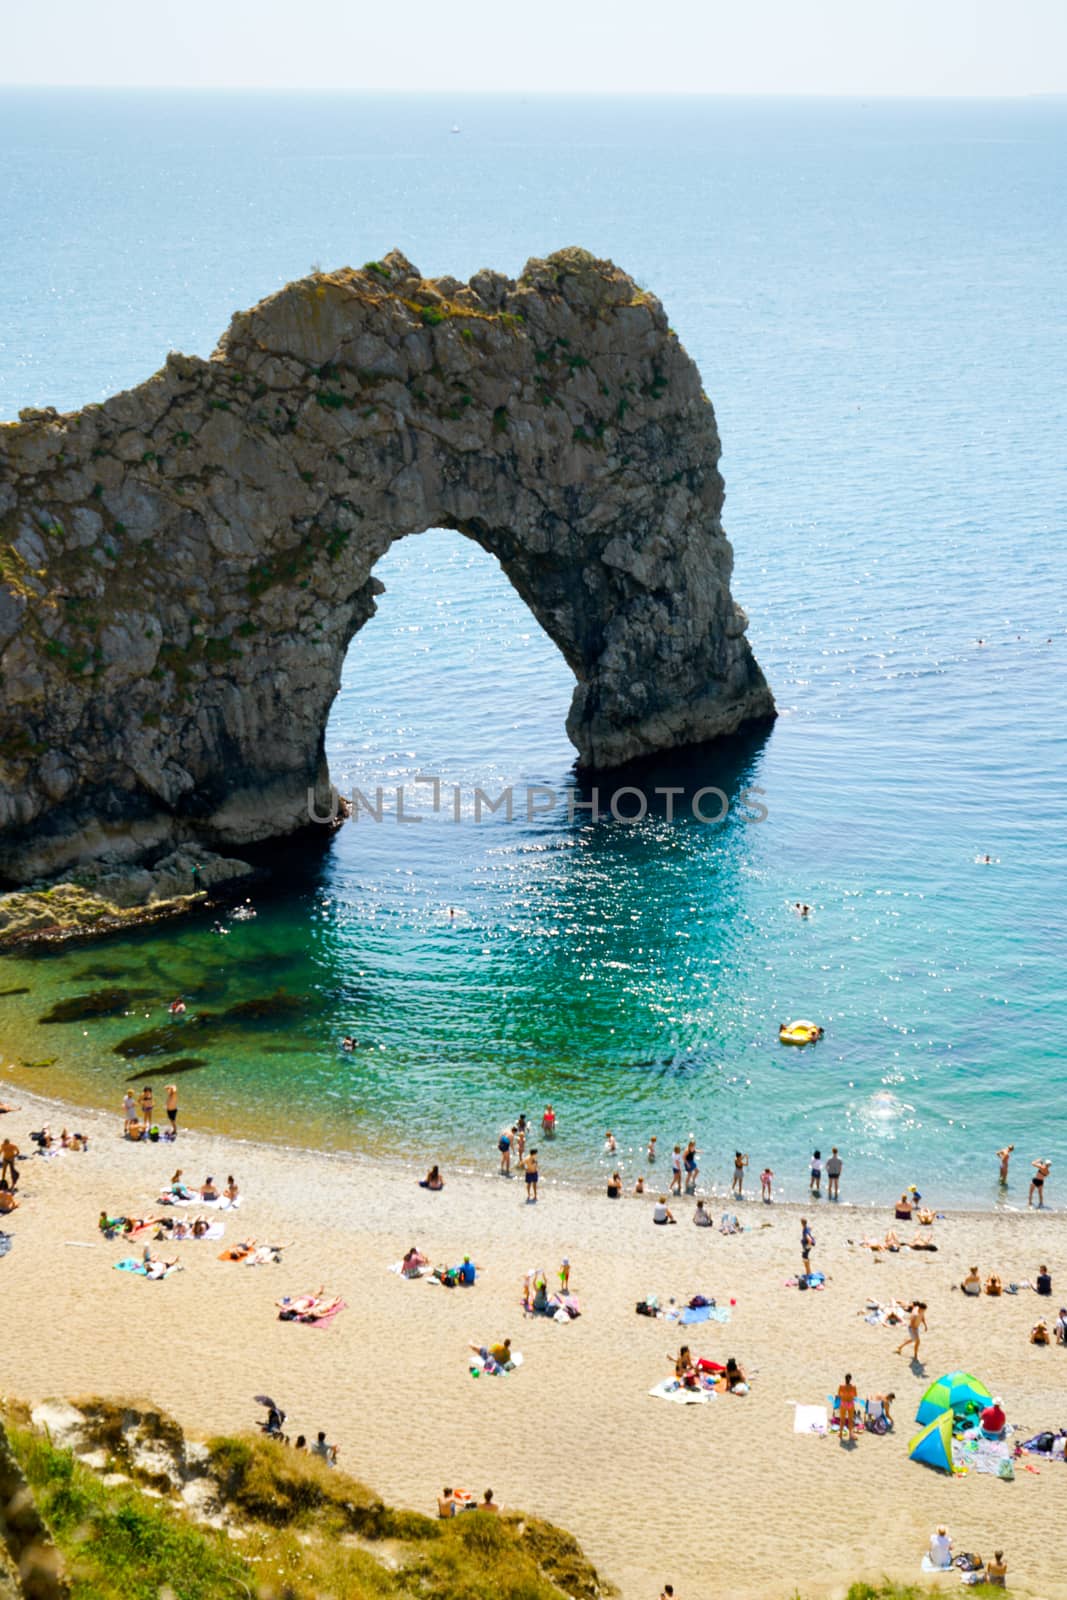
x=308 y=1307
x=238 y=1252
x=891 y=1242
x=155 y=1266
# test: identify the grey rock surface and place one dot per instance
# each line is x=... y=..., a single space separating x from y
x=183 y=567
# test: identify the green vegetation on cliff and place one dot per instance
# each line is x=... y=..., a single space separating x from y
x=290 y=1528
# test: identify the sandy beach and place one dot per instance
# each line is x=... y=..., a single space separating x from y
x=723 y=1497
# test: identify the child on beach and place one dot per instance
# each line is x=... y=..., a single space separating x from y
x=676 y=1170
x=816 y=1173
x=766 y=1183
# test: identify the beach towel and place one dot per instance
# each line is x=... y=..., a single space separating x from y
x=671 y=1389
x=810 y=1419
x=928 y=1566
x=693 y=1314
x=139 y=1270
x=5 y=1243
x=236 y=1252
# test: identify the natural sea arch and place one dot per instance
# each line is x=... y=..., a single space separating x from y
x=183 y=567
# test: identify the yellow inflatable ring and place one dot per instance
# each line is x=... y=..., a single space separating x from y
x=799 y=1033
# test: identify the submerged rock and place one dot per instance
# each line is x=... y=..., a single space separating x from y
x=183 y=567
x=168 y=1037
x=80 y=1007
x=277 y=1007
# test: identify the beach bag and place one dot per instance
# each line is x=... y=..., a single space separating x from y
x=699 y=1300
x=802 y=1281
x=644 y=1309
x=1006 y=1471
x=969 y=1563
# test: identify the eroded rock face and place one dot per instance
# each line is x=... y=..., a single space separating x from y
x=183 y=567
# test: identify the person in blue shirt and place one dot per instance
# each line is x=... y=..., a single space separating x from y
x=467 y=1272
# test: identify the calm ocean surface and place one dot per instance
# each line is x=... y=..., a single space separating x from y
x=874 y=294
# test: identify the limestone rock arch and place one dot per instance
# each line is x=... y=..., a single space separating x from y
x=182 y=568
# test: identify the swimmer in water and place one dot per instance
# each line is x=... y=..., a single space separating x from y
x=348 y=1043
x=177 y=1007
x=801 y=909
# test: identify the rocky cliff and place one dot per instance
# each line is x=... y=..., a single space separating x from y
x=183 y=567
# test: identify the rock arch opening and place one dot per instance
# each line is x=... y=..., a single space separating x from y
x=453 y=673
x=183 y=568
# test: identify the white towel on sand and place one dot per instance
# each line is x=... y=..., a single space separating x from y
x=809 y=1419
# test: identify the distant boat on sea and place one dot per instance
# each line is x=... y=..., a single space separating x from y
x=456 y=128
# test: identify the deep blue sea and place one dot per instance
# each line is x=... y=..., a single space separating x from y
x=874 y=294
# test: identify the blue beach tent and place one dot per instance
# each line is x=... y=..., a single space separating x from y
x=933 y=1446
x=954 y=1392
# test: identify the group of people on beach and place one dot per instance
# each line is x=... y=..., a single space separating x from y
x=139 y=1119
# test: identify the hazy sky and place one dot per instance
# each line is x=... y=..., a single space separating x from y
x=923 y=47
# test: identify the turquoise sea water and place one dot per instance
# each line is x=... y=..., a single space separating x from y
x=873 y=293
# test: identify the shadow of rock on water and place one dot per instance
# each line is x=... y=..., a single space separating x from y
x=45 y=1061
x=4 y=993
x=100 y=1003
x=169 y=1068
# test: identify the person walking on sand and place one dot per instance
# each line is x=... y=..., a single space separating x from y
x=129 y=1111
x=738 y=1182
x=676 y=1170
x=1004 y=1156
x=1037 y=1182
x=807 y=1245
x=532 y=1175
x=916 y=1324
x=172 y=1109
x=766 y=1184
x=833 y=1173
x=565 y=1276
x=846 y=1416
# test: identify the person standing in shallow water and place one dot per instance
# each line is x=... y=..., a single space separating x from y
x=738 y=1183
x=1037 y=1182
x=833 y=1174
x=532 y=1175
